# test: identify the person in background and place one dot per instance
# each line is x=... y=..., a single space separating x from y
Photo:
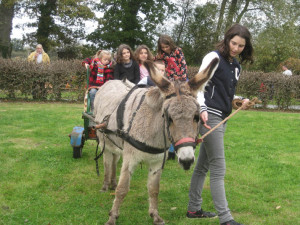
x=216 y=104
x=39 y=56
x=286 y=71
x=101 y=71
x=141 y=54
x=126 y=66
x=176 y=68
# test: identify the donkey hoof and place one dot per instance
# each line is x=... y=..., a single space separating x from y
x=110 y=222
x=104 y=188
x=159 y=222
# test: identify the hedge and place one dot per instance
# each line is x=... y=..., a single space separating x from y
x=61 y=76
x=20 y=76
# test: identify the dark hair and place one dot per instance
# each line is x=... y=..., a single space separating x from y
x=243 y=32
x=167 y=40
x=137 y=52
x=120 y=50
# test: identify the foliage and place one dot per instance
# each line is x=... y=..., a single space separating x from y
x=58 y=23
x=42 y=184
x=130 y=22
x=275 y=45
x=198 y=38
x=293 y=64
x=19 y=75
x=270 y=86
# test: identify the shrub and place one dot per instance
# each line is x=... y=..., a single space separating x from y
x=19 y=75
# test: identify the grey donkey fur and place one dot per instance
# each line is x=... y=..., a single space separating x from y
x=148 y=127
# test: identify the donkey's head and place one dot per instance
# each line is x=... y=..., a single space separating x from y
x=182 y=111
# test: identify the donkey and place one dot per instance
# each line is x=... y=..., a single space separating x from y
x=141 y=123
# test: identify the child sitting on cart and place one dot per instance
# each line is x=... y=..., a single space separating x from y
x=100 y=71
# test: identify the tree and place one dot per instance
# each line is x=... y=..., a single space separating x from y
x=185 y=9
x=131 y=22
x=6 y=14
x=275 y=45
x=199 y=37
x=58 y=23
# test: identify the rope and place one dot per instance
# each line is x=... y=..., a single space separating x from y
x=236 y=103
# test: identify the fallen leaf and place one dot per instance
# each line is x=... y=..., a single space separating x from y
x=278 y=207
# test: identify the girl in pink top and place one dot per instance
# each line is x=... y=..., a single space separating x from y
x=142 y=53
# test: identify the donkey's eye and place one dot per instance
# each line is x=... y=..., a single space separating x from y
x=170 y=120
x=196 y=118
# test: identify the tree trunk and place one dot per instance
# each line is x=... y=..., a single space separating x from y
x=6 y=15
x=46 y=23
x=220 y=20
x=231 y=12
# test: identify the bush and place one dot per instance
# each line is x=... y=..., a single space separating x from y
x=19 y=75
x=61 y=75
x=270 y=86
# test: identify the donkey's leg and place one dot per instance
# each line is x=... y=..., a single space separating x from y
x=153 y=190
x=122 y=189
x=108 y=164
x=113 y=179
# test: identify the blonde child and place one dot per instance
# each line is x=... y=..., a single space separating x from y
x=100 y=72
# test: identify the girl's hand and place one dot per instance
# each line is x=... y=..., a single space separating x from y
x=87 y=65
x=204 y=119
x=245 y=104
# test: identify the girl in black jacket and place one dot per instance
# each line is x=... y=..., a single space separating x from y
x=215 y=102
x=126 y=66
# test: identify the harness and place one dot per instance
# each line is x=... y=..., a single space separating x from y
x=120 y=132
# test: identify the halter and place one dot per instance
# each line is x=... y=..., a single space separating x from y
x=183 y=142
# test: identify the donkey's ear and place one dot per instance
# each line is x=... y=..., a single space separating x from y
x=199 y=81
x=161 y=82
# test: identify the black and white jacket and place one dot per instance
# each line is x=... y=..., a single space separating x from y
x=219 y=91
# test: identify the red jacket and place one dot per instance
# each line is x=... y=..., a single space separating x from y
x=108 y=73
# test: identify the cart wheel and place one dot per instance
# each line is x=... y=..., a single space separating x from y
x=77 y=152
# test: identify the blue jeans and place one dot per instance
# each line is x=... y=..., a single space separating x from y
x=92 y=93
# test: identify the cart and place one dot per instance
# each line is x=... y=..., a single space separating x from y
x=81 y=134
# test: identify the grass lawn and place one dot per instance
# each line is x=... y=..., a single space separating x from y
x=41 y=184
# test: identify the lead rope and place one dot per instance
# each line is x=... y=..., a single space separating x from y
x=249 y=104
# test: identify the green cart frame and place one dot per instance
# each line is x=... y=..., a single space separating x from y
x=81 y=134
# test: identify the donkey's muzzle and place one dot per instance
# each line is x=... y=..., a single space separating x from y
x=186 y=164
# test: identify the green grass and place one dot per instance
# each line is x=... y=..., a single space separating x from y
x=40 y=182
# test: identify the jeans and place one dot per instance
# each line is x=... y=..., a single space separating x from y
x=92 y=93
x=211 y=157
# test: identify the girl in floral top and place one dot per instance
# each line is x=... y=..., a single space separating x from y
x=176 y=68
